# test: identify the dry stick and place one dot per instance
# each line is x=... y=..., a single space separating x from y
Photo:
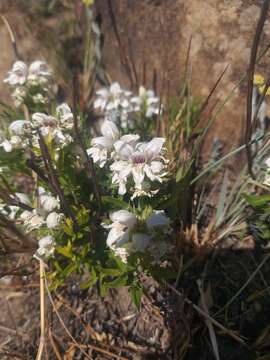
x=13 y=201
x=88 y=161
x=123 y=56
x=61 y=320
x=208 y=317
x=12 y=227
x=31 y=164
x=250 y=76
x=12 y=38
x=42 y=310
x=213 y=89
x=53 y=177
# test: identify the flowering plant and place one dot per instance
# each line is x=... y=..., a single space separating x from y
x=99 y=200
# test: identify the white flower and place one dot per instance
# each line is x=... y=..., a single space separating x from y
x=112 y=98
x=48 y=126
x=54 y=219
x=20 y=127
x=44 y=121
x=15 y=142
x=146 y=102
x=121 y=252
x=23 y=198
x=65 y=115
x=157 y=219
x=17 y=75
x=39 y=73
x=40 y=99
x=18 y=95
x=48 y=202
x=143 y=159
x=123 y=223
x=31 y=220
x=6 y=145
x=46 y=247
x=125 y=236
x=102 y=146
x=140 y=242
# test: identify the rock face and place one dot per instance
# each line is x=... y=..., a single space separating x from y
x=151 y=37
x=146 y=42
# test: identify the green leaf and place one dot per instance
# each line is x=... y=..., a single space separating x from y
x=91 y=281
x=136 y=295
x=65 y=250
x=115 y=203
x=257 y=200
x=112 y=272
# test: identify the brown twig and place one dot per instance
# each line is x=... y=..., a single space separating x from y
x=12 y=227
x=250 y=76
x=12 y=38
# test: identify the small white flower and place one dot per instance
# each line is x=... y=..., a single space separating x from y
x=141 y=160
x=101 y=146
x=17 y=75
x=54 y=219
x=140 y=242
x=15 y=142
x=123 y=223
x=46 y=247
x=157 y=219
x=31 y=220
x=121 y=252
x=124 y=237
x=23 y=198
x=6 y=145
x=146 y=102
x=20 y=127
x=65 y=115
x=49 y=202
x=18 y=95
x=112 y=98
x=39 y=73
x=40 y=99
x=43 y=120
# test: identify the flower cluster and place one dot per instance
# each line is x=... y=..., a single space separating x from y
x=68 y=201
x=140 y=162
x=57 y=128
x=32 y=83
x=121 y=106
x=128 y=234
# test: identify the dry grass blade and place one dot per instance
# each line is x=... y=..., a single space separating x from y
x=200 y=311
x=61 y=320
x=42 y=311
x=252 y=276
x=205 y=306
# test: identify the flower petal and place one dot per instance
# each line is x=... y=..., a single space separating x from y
x=124 y=217
x=154 y=147
x=157 y=219
x=109 y=129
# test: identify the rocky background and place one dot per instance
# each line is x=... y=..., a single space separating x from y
x=147 y=41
